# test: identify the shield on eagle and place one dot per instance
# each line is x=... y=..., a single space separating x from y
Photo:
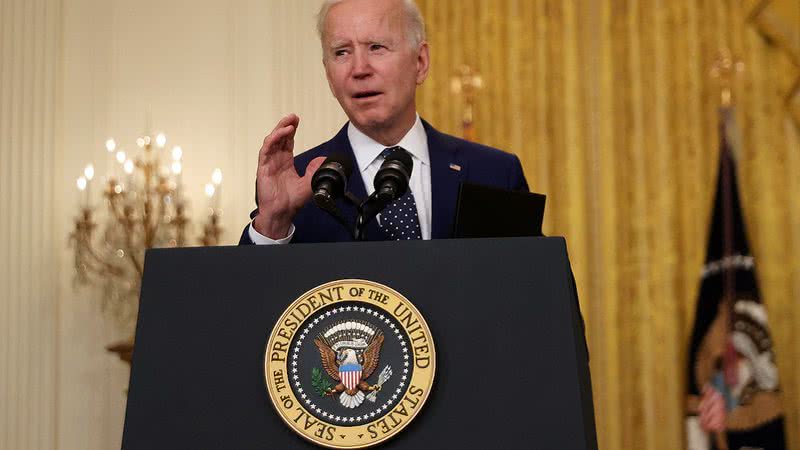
x=350 y=374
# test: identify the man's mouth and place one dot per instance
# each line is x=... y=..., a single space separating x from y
x=366 y=94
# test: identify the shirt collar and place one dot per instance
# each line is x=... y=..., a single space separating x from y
x=366 y=149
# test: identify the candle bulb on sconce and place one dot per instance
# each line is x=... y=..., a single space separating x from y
x=212 y=229
x=210 y=191
x=118 y=172
x=128 y=166
x=111 y=146
x=82 y=199
x=216 y=179
x=121 y=157
x=177 y=170
x=88 y=174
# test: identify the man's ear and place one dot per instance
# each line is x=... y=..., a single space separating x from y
x=423 y=62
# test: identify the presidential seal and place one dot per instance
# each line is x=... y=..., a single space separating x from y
x=349 y=364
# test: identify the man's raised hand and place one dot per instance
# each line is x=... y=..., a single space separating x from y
x=281 y=190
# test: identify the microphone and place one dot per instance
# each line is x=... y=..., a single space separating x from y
x=391 y=181
x=329 y=181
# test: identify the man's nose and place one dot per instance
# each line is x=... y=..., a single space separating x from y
x=362 y=67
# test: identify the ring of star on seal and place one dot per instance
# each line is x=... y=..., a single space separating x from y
x=349 y=364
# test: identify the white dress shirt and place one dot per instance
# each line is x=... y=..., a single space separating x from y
x=367 y=152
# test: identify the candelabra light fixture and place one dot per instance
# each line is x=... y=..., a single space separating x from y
x=142 y=205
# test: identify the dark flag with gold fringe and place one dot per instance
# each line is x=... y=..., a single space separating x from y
x=734 y=395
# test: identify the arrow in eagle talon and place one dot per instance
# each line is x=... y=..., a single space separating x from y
x=386 y=373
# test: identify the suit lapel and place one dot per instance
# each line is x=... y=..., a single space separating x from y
x=445 y=180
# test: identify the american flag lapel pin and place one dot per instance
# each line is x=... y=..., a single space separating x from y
x=455 y=167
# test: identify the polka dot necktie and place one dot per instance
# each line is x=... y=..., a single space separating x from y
x=399 y=221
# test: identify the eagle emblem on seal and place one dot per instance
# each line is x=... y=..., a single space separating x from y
x=350 y=352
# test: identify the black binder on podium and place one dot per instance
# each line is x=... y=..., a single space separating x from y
x=511 y=359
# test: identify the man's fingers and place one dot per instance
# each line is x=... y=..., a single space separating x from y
x=312 y=167
x=276 y=139
x=290 y=119
x=281 y=139
x=711 y=410
x=302 y=186
x=289 y=122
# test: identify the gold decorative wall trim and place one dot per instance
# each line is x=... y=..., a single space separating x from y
x=793 y=101
x=773 y=20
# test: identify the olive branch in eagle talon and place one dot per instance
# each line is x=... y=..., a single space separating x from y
x=321 y=385
x=349 y=367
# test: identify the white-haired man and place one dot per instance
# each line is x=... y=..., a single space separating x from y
x=375 y=56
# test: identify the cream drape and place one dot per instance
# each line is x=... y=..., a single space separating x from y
x=610 y=107
x=29 y=50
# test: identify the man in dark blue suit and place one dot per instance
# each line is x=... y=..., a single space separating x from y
x=375 y=56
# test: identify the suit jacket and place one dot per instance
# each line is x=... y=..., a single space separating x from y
x=478 y=164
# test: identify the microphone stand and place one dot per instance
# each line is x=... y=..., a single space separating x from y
x=367 y=211
x=330 y=207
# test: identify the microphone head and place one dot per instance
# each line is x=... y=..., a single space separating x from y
x=345 y=161
x=339 y=161
x=330 y=180
x=391 y=181
x=401 y=156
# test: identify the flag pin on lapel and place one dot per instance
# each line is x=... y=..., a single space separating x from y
x=455 y=167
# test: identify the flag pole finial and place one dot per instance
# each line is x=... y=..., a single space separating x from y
x=724 y=69
x=467 y=82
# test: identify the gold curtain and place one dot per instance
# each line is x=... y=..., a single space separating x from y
x=610 y=106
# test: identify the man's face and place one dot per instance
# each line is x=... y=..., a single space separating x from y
x=372 y=69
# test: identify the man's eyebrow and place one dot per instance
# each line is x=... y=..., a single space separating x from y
x=338 y=43
x=377 y=39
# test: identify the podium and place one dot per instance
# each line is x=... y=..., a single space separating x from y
x=511 y=359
